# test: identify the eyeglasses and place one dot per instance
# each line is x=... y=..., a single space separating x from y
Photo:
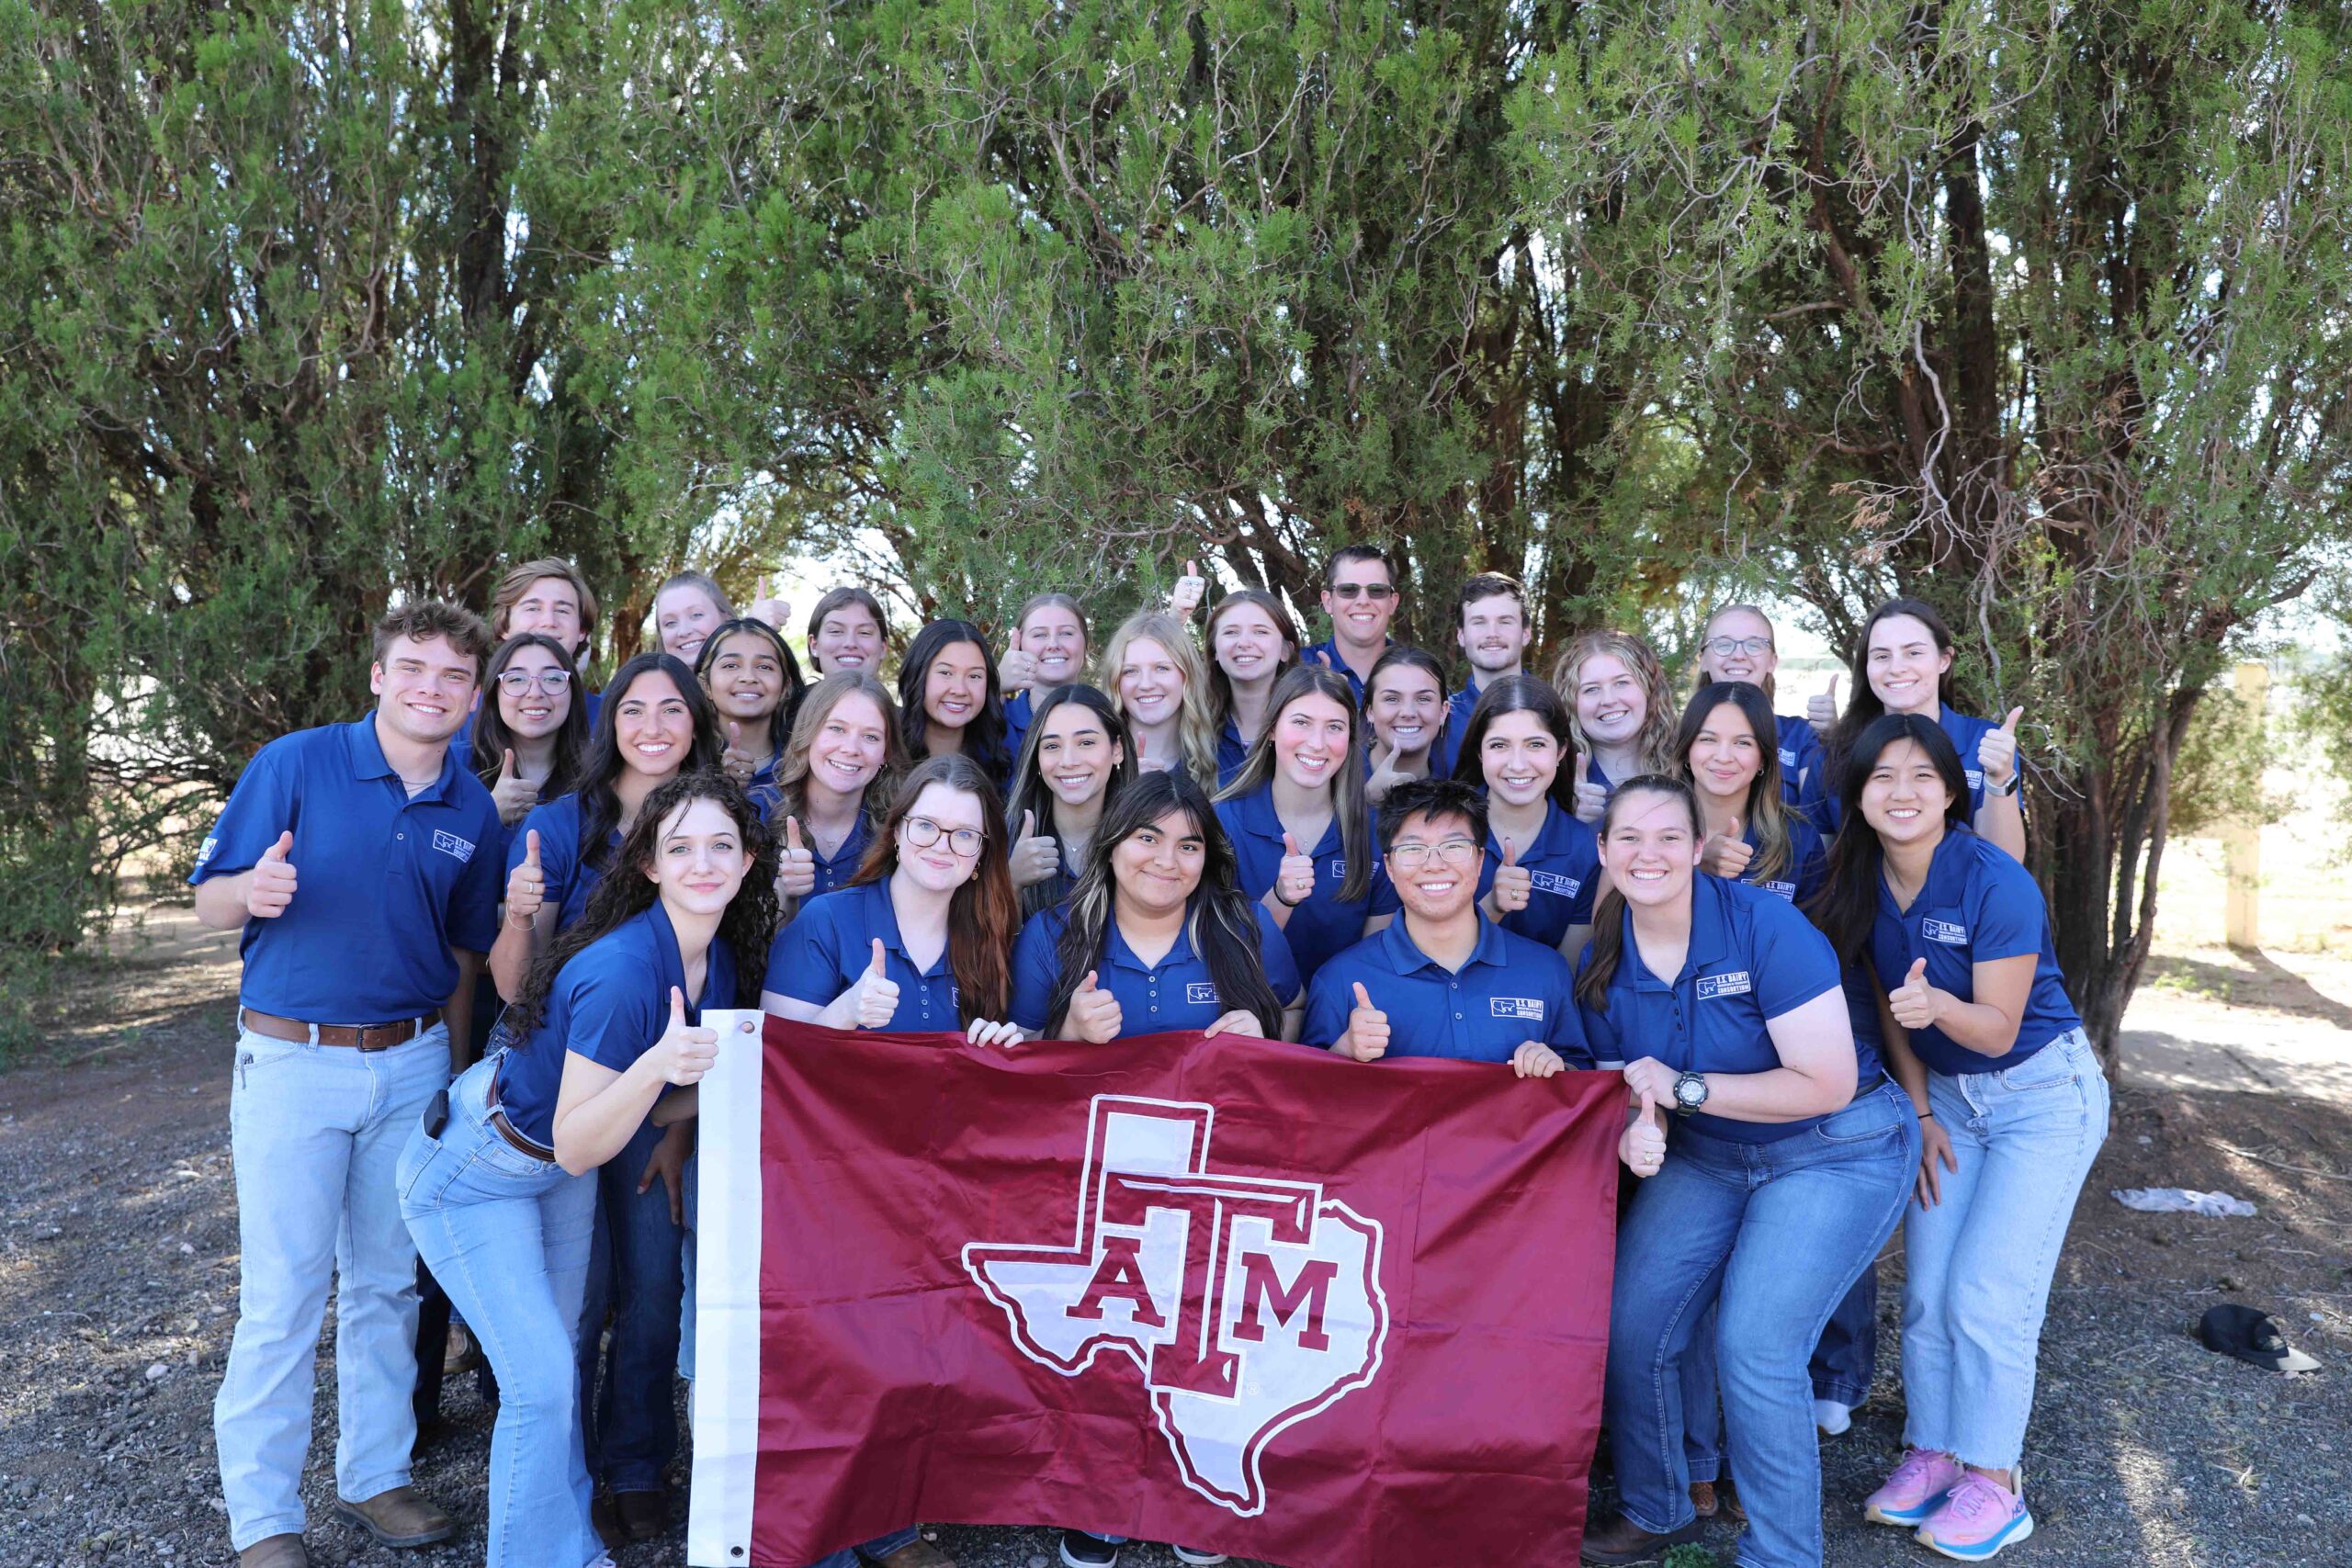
x=1725 y=646
x=1453 y=852
x=922 y=832
x=518 y=681
x=1376 y=592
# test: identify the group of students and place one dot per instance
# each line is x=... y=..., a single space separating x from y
x=1807 y=944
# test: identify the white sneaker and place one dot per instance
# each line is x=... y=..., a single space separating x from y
x=1195 y=1556
x=1831 y=1417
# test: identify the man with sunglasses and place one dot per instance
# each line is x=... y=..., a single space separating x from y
x=1359 y=596
x=1444 y=980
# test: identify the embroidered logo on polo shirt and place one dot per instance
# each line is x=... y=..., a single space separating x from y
x=1200 y=993
x=211 y=842
x=1975 y=777
x=1788 y=758
x=1785 y=889
x=1553 y=881
x=448 y=843
x=1516 y=1007
x=1731 y=985
x=1338 y=868
x=1948 y=932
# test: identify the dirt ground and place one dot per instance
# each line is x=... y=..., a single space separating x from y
x=118 y=1269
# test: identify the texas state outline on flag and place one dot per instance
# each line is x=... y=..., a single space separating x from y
x=1248 y=1304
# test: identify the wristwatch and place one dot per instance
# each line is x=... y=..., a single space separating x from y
x=1690 y=1093
x=1997 y=791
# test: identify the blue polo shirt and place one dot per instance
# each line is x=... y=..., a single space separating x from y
x=762 y=789
x=1751 y=958
x=1808 y=864
x=611 y=1004
x=831 y=942
x=1321 y=925
x=1458 y=709
x=1231 y=752
x=836 y=869
x=1965 y=734
x=386 y=887
x=1978 y=905
x=1508 y=992
x=1802 y=763
x=563 y=859
x=1329 y=649
x=1018 y=717
x=1563 y=863
x=1178 y=993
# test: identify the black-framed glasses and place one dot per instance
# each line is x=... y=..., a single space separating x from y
x=1376 y=592
x=1725 y=646
x=517 y=681
x=1453 y=852
x=922 y=832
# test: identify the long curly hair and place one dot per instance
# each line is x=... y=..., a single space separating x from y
x=747 y=926
x=816 y=708
x=1655 y=742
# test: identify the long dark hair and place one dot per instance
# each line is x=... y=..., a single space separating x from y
x=600 y=806
x=984 y=735
x=747 y=926
x=1762 y=810
x=794 y=688
x=1607 y=915
x=1847 y=902
x=1032 y=794
x=1349 y=805
x=1521 y=693
x=1863 y=707
x=983 y=916
x=492 y=739
x=1218 y=918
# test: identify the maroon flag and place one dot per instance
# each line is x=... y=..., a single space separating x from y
x=1230 y=1293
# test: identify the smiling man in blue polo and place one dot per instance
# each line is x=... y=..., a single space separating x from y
x=1444 y=980
x=360 y=861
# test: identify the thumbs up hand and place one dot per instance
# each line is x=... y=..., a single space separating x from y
x=876 y=993
x=1190 y=590
x=1591 y=798
x=513 y=795
x=736 y=761
x=766 y=607
x=1035 y=856
x=1914 y=1003
x=1093 y=1014
x=1643 y=1146
x=685 y=1052
x=1017 y=670
x=795 y=868
x=273 y=881
x=1997 y=753
x=1294 y=878
x=1514 y=884
x=1726 y=854
x=1367 y=1034
x=527 y=885
x=1821 y=710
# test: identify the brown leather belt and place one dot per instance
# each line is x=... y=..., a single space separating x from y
x=364 y=1036
x=505 y=1129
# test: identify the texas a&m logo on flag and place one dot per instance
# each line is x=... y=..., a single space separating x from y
x=1248 y=1305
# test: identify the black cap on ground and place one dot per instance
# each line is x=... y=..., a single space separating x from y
x=2253 y=1337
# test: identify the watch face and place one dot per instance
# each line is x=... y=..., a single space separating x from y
x=1691 y=1091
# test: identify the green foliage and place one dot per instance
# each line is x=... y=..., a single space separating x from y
x=1689 y=1554
x=2218 y=778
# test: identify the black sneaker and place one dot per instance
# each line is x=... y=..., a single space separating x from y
x=1081 y=1550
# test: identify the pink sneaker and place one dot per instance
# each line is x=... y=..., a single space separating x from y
x=1912 y=1492
x=1976 y=1519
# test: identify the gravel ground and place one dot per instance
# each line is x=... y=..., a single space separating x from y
x=119 y=1267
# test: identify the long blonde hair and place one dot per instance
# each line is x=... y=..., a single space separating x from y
x=1196 y=720
x=816 y=707
x=1655 y=744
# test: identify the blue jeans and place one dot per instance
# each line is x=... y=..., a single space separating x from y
x=1773 y=1234
x=314 y=1132
x=635 y=1269
x=1846 y=1357
x=507 y=1236
x=1978 y=1264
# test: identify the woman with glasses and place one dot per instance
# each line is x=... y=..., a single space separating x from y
x=530 y=737
x=1737 y=645
x=922 y=939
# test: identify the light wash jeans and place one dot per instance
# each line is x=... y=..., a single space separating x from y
x=1772 y=1235
x=507 y=1236
x=1978 y=1264
x=314 y=1132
